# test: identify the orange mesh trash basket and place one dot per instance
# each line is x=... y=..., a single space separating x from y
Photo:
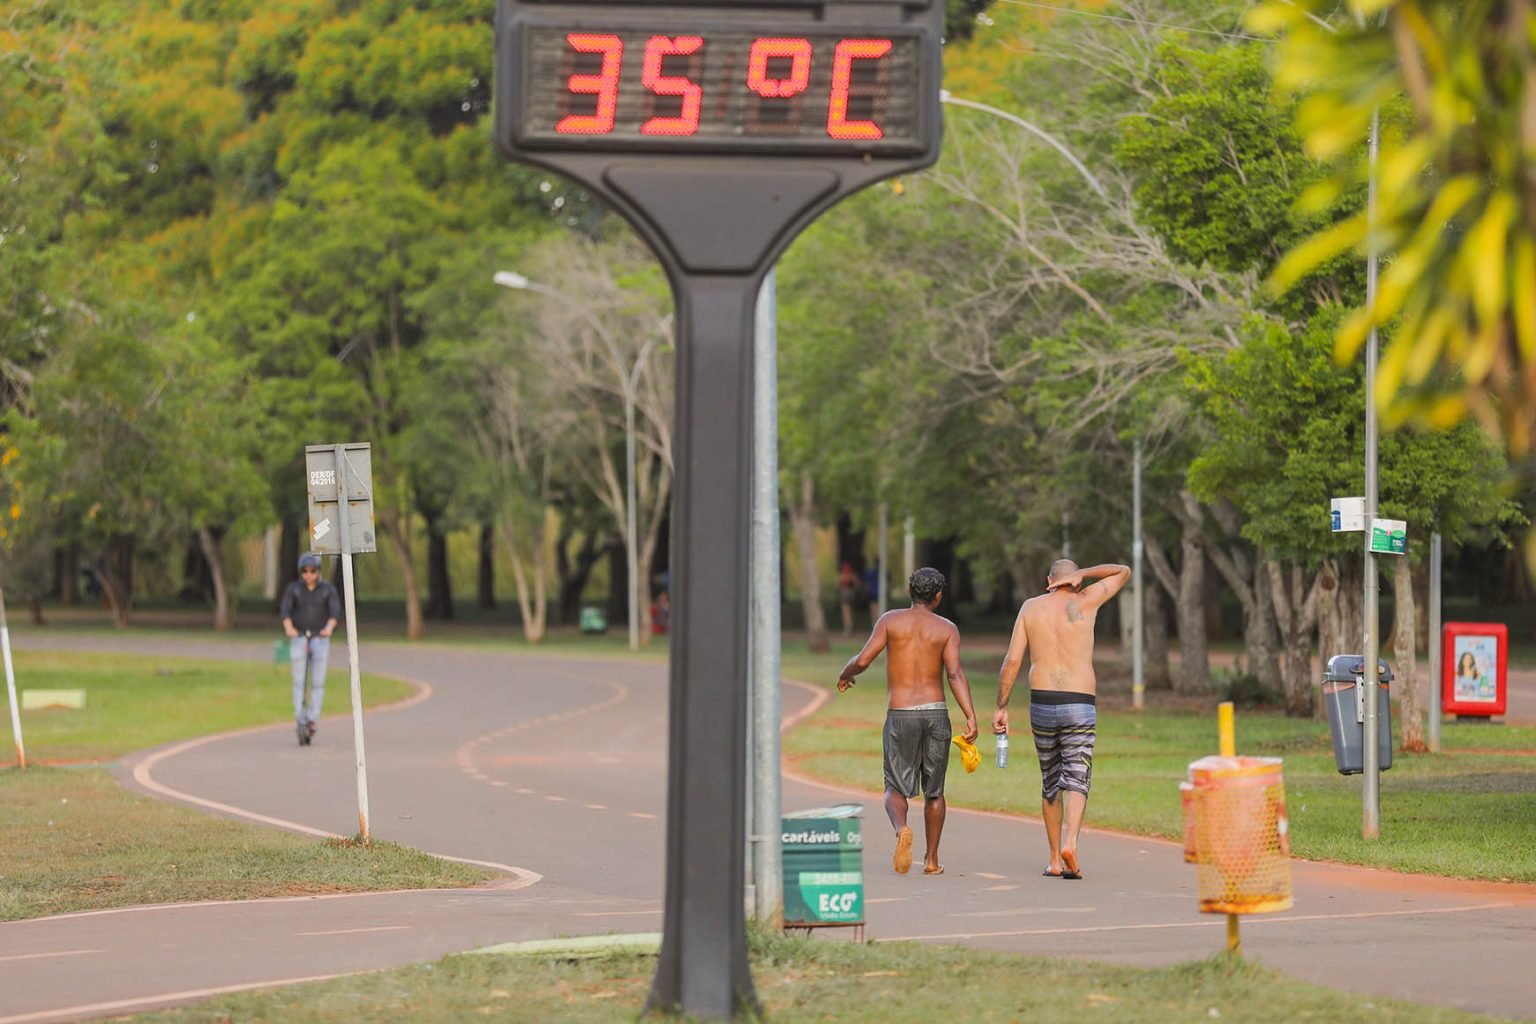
x=1187 y=800
x=1242 y=846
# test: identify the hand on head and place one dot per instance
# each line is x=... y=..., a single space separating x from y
x=1071 y=581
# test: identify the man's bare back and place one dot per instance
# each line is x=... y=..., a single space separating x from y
x=916 y=641
x=1057 y=630
x=921 y=648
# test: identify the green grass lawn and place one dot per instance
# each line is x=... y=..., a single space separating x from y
x=1469 y=812
x=804 y=981
x=134 y=702
x=76 y=840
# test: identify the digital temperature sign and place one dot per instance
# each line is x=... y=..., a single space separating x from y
x=724 y=89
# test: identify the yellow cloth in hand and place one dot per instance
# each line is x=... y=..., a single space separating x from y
x=970 y=757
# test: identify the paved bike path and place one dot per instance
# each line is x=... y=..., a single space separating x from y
x=555 y=768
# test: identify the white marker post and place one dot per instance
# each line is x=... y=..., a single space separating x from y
x=10 y=686
x=349 y=601
x=333 y=470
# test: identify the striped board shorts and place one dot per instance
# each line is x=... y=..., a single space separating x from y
x=1063 y=724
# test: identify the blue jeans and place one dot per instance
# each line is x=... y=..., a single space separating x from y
x=309 y=653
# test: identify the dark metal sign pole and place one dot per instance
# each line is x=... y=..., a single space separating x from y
x=703 y=964
x=717 y=209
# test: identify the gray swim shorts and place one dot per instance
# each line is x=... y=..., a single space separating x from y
x=917 y=750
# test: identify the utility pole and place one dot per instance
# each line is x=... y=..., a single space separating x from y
x=1138 y=679
x=1436 y=669
x=1371 y=793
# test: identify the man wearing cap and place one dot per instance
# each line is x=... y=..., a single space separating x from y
x=309 y=611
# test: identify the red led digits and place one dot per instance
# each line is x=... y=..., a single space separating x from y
x=798 y=51
x=848 y=51
x=724 y=89
x=604 y=85
x=657 y=49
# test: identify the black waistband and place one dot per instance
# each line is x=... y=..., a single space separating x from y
x=1060 y=697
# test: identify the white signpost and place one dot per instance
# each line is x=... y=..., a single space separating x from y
x=340 y=479
x=10 y=686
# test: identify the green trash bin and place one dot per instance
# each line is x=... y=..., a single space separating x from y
x=823 y=864
x=280 y=651
x=593 y=620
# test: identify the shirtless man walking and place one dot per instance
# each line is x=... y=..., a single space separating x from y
x=917 y=733
x=1062 y=694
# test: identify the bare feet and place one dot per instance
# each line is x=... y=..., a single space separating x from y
x=902 y=861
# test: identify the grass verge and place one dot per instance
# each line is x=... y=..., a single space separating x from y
x=1469 y=812
x=134 y=702
x=800 y=981
x=75 y=840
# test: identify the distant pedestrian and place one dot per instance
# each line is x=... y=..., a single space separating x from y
x=309 y=610
x=1063 y=715
x=872 y=591
x=847 y=593
x=922 y=645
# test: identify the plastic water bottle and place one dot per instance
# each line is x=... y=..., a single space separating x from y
x=1002 y=750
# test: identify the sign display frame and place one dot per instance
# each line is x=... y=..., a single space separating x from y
x=321 y=480
x=1474 y=671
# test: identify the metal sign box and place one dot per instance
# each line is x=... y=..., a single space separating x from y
x=322 y=482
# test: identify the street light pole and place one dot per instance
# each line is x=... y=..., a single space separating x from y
x=1370 y=826
x=629 y=381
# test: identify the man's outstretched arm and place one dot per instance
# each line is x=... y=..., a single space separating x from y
x=865 y=658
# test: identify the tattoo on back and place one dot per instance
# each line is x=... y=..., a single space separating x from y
x=1074 y=613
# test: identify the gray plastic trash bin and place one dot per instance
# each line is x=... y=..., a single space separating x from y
x=1344 y=697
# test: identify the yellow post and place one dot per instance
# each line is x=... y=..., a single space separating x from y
x=1227 y=734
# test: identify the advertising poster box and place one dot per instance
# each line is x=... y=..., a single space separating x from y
x=1474 y=673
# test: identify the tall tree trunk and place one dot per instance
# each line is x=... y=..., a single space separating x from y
x=439 y=585
x=67 y=572
x=1341 y=617
x=486 y=581
x=574 y=575
x=1263 y=641
x=1248 y=579
x=398 y=530
x=618 y=585
x=529 y=580
x=1404 y=649
x=643 y=574
x=1194 y=652
x=35 y=604
x=1187 y=588
x=215 y=559
x=803 y=521
x=1296 y=609
x=1156 y=625
x=196 y=573
x=115 y=570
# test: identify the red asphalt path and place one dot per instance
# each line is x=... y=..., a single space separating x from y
x=554 y=769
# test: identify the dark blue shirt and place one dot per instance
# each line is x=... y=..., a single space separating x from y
x=310 y=610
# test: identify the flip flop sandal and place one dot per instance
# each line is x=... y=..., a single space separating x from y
x=1069 y=866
